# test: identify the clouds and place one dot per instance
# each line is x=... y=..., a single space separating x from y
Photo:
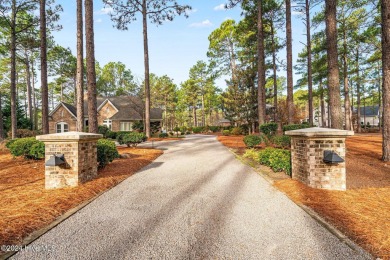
x=220 y=7
x=205 y=23
x=105 y=10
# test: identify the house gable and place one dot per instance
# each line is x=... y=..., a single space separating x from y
x=62 y=105
x=105 y=111
x=61 y=114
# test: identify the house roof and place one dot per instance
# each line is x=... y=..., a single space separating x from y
x=129 y=107
x=369 y=111
x=72 y=110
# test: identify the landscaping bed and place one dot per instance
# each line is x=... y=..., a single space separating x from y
x=25 y=204
x=363 y=211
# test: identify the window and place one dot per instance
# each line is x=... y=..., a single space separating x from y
x=62 y=127
x=126 y=126
x=108 y=123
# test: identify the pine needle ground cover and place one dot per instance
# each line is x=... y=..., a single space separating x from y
x=363 y=211
x=25 y=204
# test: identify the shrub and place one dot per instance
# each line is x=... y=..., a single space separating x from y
x=214 y=129
x=236 y=131
x=252 y=140
x=23 y=147
x=264 y=156
x=183 y=129
x=102 y=129
x=295 y=127
x=133 y=139
x=119 y=136
x=177 y=130
x=171 y=133
x=23 y=133
x=197 y=130
x=138 y=126
x=251 y=154
x=111 y=134
x=269 y=129
x=188 y=133
x=277 y=159
x=9 y=143
x=280 y=160
x=37 y=150
x=163 y=135
x=226 y=132
x=106 y=152
x=281 y=141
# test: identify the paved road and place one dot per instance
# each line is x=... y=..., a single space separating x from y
x=194 y=202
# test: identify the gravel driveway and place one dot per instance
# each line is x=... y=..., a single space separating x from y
x=194 y=202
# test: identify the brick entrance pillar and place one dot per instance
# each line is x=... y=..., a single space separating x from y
x=307 y=157
x=80 y=158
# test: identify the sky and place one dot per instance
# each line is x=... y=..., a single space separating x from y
x=174 y=47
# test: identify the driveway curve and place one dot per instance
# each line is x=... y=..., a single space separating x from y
x=196 y=201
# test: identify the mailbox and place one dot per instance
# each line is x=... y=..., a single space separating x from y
x=56 y=160
x=332 y=157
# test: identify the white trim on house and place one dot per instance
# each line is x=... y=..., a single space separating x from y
x=58 y=106
x=104 y=102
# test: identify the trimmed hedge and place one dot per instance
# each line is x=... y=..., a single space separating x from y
x=283 y=141
x=28 y=147
x=236 y=131
x=269 y=129
x=120 y=134
x=214 y=129
x=163 y=135
x=277 y=159
x=198 y=129
x=133 y=139
x=226 y=132
x=295 y=127
x=23 y=133
x=106 y=152
x=252 y=140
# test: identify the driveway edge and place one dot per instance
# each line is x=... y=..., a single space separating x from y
x=332 y=229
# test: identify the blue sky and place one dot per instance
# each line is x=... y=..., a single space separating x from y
x=174 y=47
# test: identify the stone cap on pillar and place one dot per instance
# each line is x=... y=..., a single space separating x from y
x=69 y=137
x=319 y=132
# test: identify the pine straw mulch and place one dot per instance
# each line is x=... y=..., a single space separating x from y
x=25 y=204
x=363 y=211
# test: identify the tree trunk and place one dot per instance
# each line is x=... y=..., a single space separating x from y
x=290 y=87
x=13 y=71
x=358 y=119
x=44 y=86
x=323 y=121
x=261 y=67
x=146 y=63
x=1 y=121
x=80 y=69
x=274 y=72
x=386 y=78
x=347 y=104
x=91 y=73
x=35 y=121
x=195 y=119
x=29 y=101
x=309 y=66
x=364 y=107
x=333 y=69
x=379 y=99
x=203 y=114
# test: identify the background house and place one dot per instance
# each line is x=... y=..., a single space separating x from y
x=117 y=113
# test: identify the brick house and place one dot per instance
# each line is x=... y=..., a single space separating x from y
x=117 y=113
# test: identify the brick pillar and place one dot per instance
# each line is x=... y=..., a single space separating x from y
x=307 y=154
x=80 y=154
